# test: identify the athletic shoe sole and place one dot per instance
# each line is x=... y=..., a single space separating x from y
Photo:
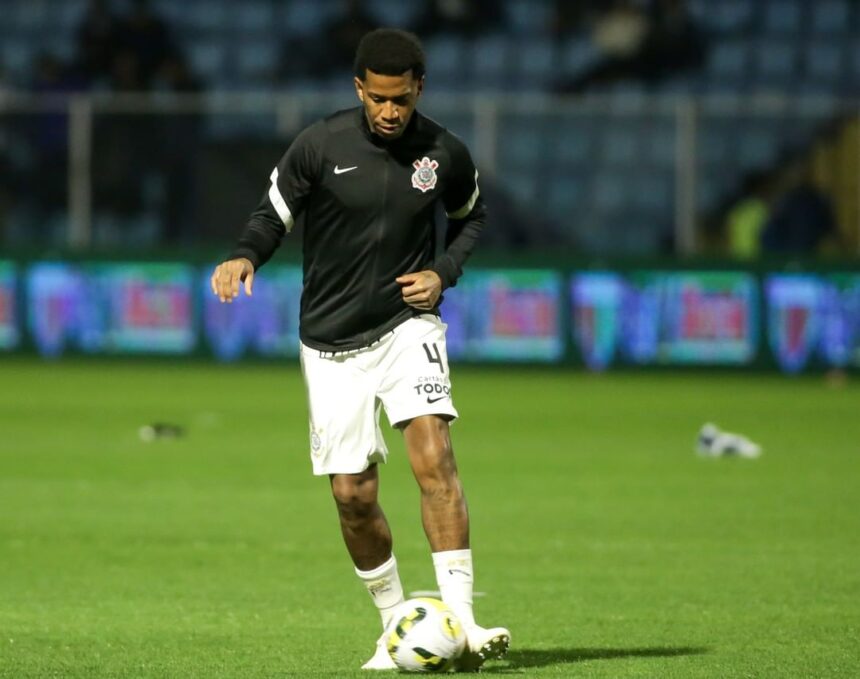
x=493 y=648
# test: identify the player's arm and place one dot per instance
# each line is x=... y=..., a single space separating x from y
x=466 y=217
x=289 y=185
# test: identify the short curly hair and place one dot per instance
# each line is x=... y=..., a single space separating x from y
x=389 y=51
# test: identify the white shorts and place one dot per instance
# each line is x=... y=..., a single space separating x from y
x=405 y=371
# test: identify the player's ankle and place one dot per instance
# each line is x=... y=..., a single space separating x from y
x=383 y=585
x=454 y=575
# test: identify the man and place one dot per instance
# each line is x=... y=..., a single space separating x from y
x=365 y=182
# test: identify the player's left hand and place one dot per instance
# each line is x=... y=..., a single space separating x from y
x=421 y=289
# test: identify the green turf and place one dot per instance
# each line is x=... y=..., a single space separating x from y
x=605 y=544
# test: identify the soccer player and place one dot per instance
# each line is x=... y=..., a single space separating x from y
x=365 y=183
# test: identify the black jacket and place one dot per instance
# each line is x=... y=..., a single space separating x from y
x=367 y=211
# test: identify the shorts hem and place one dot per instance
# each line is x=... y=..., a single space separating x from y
x=323 y=469
x=403 y=416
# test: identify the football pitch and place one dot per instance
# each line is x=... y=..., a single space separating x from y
x=604 y=543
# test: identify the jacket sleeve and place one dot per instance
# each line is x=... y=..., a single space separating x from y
x=286 y=196
x=466 y=215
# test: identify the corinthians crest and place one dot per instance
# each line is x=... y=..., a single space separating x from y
x=424 y=177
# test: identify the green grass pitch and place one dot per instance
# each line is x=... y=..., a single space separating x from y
x=600 y=539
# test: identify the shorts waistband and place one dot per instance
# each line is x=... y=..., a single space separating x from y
x=347 y=352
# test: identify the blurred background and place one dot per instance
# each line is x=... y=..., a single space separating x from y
x=670 y=182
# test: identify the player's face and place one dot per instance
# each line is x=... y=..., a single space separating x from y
x=389 y=101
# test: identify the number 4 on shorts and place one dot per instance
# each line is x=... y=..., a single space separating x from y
x=434 y=356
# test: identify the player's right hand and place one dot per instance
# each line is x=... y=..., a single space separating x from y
x=227 y=277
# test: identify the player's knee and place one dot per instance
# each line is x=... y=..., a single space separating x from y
x=353 y=499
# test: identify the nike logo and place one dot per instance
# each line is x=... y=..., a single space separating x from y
x=341 y=170
x=433 y=400
x=451 y=571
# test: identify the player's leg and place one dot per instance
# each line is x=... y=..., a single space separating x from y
x=346 y=444
x=368 y=537
x=416 y=394
x=446 y=523
x=443 y=503
x=362 y=522
x=368 y=541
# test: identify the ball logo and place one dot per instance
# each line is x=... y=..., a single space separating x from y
x=424 y=177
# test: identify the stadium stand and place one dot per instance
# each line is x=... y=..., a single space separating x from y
x=565 y=166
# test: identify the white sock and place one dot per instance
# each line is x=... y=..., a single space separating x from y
x=454 y=577
x=383 y=584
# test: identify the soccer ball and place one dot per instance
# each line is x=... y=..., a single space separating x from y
x=425 y=636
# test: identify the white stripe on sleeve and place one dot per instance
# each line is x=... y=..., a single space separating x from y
x=279 y=203
x=467 y=208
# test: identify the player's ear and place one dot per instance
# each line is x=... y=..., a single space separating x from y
x=359 y=88
x=420 y=87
